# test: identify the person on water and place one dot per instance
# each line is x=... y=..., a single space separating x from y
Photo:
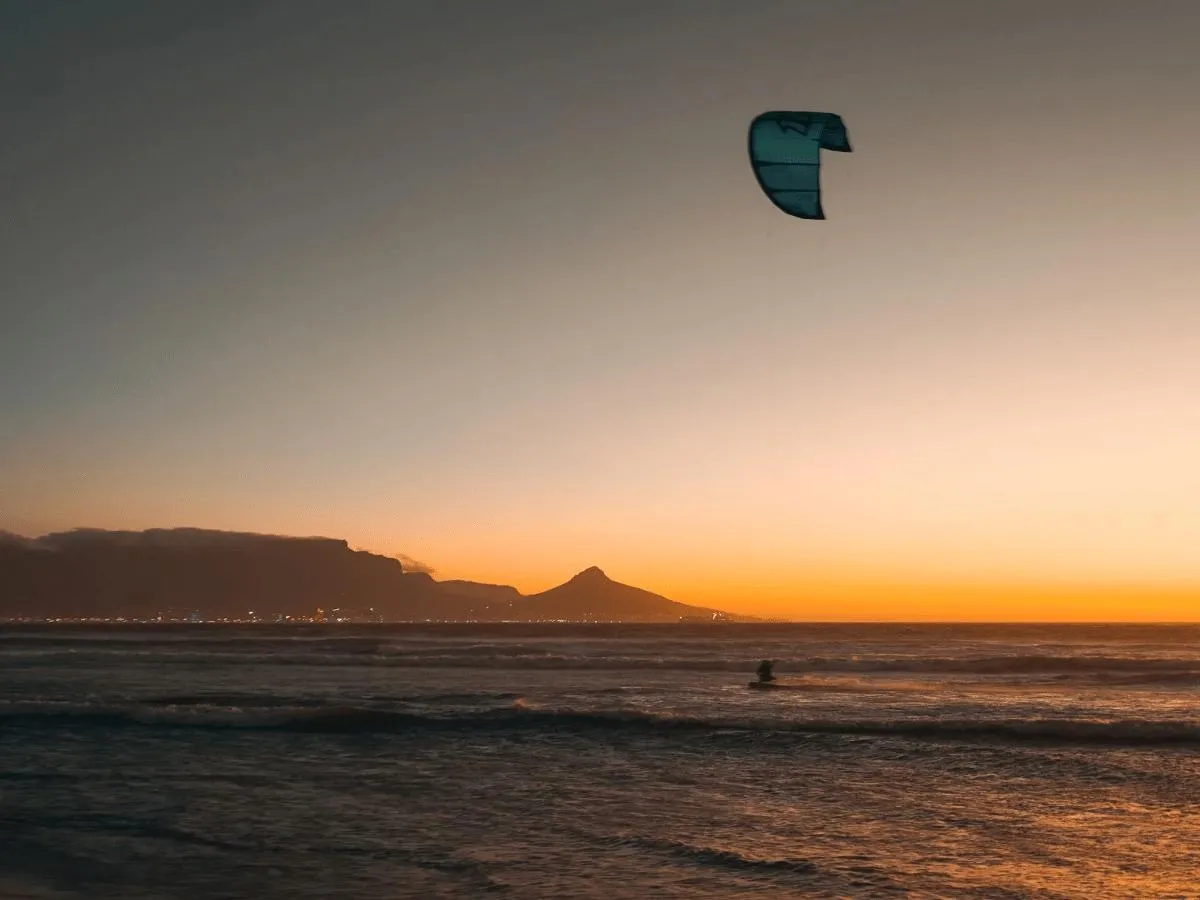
x=764 y=671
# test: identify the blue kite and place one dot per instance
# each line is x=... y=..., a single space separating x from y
x=785 y=153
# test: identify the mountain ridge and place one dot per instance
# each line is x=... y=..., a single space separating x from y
x=190 y=572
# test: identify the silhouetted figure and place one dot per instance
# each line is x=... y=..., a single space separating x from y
x=764 y=671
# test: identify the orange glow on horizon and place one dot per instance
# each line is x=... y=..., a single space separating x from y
x=841 y=596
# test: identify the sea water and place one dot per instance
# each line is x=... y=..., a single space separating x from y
x=599 y=761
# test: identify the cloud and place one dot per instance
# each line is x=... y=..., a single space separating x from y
x=412 y=565
x=407 y=562
x=11 y=537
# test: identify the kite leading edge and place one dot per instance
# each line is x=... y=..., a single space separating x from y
x=785 y=153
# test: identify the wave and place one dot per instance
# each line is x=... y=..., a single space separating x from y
x=1150 y=669
x=244 y=700
x=1181 y=677
x=712 y=857
x=852 y=684
x=521 y=717
x=13 y=887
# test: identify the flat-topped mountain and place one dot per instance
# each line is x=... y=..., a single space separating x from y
x=175 y=573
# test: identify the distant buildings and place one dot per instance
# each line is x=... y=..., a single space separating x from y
x=715 y=617
x=351 y=616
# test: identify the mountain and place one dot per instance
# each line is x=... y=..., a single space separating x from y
x=173 y=572
x=90 y=573
x=592 y=595
x=479 y=592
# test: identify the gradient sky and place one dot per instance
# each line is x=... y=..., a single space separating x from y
x=491 y=284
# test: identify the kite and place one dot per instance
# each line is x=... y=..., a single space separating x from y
x=785 y=153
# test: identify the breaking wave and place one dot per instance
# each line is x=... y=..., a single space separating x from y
x=717 y=858
x=1115 y=669
x=520 y=717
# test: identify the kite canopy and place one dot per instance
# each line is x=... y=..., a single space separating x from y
x=785 y=153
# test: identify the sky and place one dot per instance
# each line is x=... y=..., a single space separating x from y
x=492 y=285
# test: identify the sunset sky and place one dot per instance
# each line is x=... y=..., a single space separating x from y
x=491 y=284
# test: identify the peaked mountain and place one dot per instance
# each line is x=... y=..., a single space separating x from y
x=592 y=595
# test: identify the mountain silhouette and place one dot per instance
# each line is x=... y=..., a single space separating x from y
x=174 y=573
x=478 y=591
x=593 y=595
x=90 y=573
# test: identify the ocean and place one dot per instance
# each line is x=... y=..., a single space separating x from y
x=599 y=761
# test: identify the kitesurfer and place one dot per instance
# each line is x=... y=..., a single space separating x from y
x=764 y=671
